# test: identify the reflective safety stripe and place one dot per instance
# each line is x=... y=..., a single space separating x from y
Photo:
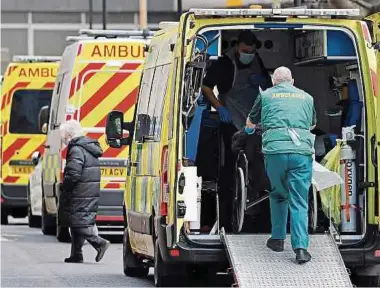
x=31 y=76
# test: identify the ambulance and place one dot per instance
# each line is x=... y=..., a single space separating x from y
x=99 y=71
x=171 y=198
x=27 y=86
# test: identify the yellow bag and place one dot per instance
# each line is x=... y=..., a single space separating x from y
x=331 y=197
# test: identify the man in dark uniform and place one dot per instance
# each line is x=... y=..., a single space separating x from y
x=238 y=76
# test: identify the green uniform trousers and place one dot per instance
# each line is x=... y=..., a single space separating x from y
x=290 y=176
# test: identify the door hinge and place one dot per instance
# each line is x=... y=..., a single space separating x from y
x=181 y=209
x=366 y=185
x=181 y=183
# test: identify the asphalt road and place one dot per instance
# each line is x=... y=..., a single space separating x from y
x=30 y=259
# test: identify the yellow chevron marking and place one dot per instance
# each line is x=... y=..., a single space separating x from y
x=92 y=85
x=111 y=100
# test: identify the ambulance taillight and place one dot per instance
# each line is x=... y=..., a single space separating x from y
x=164 y=182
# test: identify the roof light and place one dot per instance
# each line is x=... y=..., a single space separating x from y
x=22 y=58
x=116 y=33
x=276 y=12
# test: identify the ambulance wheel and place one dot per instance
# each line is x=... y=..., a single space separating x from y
x=47 y=221
x=133 y=267
x=33 y=221
x=4 y=218
x=239 y=202
x=63 y=234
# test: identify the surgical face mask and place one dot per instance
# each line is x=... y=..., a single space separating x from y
x=245 y=58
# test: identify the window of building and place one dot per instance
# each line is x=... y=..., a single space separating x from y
x=26 y=105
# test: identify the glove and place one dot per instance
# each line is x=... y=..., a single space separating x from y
x=224 y=114
x=249 y=131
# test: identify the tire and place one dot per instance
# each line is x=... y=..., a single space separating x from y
x=47 y=222
x=33 y=221
x=132 y=266
x=373 y=281
x=239 y=202
x=63 y=234
x=4 y=217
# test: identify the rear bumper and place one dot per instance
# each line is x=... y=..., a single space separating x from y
x=188 y=253
x=364 y=259
x=110 y=212
x=13 y=196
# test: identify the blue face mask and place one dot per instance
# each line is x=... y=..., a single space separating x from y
x=245 y=58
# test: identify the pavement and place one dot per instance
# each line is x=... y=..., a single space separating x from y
x=30 y=259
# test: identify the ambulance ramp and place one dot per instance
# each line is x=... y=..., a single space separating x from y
x=254 y=265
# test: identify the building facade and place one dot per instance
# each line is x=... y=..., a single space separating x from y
x=40 y=27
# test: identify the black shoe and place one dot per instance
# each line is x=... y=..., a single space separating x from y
x=74 y=259
x=302 y=256
x=102 y=250
x=276 y=245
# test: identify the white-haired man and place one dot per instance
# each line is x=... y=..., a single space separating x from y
x=286 y=115
x=80 y=191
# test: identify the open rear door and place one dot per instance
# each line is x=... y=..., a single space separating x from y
x=377 y=47
x=375 y=18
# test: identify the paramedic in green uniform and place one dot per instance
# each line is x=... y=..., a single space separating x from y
x=287 y=115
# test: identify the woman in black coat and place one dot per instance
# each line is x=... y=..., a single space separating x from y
x=80 y=191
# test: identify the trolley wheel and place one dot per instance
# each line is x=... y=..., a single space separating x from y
x=240 y=201
x=313 y=211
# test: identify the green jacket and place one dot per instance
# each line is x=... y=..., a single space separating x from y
x=286 y=114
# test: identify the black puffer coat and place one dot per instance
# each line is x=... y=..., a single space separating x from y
x=80 y=190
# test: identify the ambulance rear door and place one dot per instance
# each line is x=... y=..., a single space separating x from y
x=376 y=33
x=111 y=84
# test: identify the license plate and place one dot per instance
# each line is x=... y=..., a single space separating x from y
x=22 y=170
x=112 y=172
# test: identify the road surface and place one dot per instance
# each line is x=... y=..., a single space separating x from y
x=30 y=259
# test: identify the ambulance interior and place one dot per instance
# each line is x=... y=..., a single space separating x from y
x=324 y=64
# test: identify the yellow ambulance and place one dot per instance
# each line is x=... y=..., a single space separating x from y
x=99 y=71
x=172 y=191
x=27 y=86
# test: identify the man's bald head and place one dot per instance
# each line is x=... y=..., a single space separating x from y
x=282 y=75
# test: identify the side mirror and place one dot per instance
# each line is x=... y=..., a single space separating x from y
x=36 y=157
x=43 y=119
x=114 y=129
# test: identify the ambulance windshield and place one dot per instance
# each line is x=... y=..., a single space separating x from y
x=26 y=105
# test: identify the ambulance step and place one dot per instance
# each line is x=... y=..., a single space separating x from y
x=254 y=265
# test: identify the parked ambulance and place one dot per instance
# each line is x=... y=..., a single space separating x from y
x=168 y=200
x=27 y=86
x=99 y=72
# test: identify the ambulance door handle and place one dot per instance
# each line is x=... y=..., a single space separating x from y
x=133 y=164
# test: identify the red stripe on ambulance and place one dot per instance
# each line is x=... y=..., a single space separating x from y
x=75 y=83
x=8 y=153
